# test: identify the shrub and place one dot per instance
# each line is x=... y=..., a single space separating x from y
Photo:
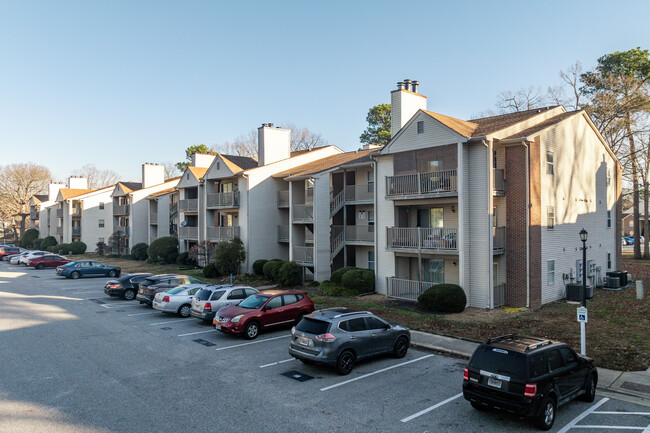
x=359 y=280
x=139 y=251
x=211 y=271
x=271 y=269
x=164 y=250
x=229 y=256
x=101 y=248
x=49 y=241
x=330 y=288
x=443 y=298
x=77 y=247
x=289 y=274
x=185 y=259
x=60 y=249
x=313 y=283
x=258 y=266
x=37 y=244
x=337 y=275
x=28 y=238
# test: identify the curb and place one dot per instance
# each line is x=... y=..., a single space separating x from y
x=439 y=349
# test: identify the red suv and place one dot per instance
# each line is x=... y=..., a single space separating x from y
x=47 y=261
x=263 y=310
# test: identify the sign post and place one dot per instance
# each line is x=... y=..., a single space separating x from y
x=583 y=319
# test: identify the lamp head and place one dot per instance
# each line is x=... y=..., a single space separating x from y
x=583 y=235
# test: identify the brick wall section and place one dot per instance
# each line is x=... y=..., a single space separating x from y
x=515 y=169
x=619 y=214
x=535 y=224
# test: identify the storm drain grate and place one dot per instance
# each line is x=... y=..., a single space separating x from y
x=203 y=342
x=296 y=375
x=638 y=387
x=166 y=328
x=97 y=301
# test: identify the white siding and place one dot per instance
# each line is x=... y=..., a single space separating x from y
x=384 y=217
x=322 y=269
x=435 y=134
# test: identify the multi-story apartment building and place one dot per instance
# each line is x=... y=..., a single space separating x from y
x=163 y=214
x=40 y=210
x=35 y=204
x=493 y=204
x=64 y=215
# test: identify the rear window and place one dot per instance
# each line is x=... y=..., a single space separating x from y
x=176 y=290
x=203 y=295
x=147 y=282
x=313 y=326
x=501 y=361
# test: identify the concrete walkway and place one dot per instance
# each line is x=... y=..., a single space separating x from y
x=631 y=386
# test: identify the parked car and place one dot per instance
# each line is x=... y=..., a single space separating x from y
x=126 y=286
x=263 y=310
x=47 y=261
x=339 y=337
x=211 y=299
x=12 y=258
x=528 y=376
x=6 y=250
x=87 y=268
x=177 y=300
x=32 y=254
x=160 y=283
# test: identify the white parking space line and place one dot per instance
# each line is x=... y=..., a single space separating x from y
x=171 y=321
x=142 y=314
x=429 y=409
x=198 y=332
x=614 y=427
x=277 y=363
x=583 y=415
x=252 y=342
x=375 y=372
x=119 y=306
x=613 y=412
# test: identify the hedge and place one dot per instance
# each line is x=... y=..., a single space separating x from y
x=443 y=298
x=330 y=288
x=258 y=266
x=59 y=249
x=289 y=274
x=337 y=275
x=49 y=241
x=185 y=259
x=271 y=269
x=37 y=244
x=163 y=249
x=77 y=247
x=139 y=251
x=28 y=238
x=359 y=280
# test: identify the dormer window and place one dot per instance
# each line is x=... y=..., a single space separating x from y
x=420 y=127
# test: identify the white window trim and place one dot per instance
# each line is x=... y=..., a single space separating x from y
x=550 y=165
x=550 y=274
x=548 y=217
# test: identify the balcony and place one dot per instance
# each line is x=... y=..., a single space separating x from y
x=124 y=229
x=189 y=205
x=223 y=200
x=408 y=290
x=303 y=255
x=76 y=231
x=361 y=234
x=188 y=232
x=283 y=233
x=59 y=213
x=59 y=230
x=33 y=215
x=422 y=185
x=414 y=239
x=499 y=185
x=76 y=212
x=499 y=240
x=363 y=193
x=303 y=213
x=221 y=234
x=121 y=209
x=283 y=199
x=153 y=217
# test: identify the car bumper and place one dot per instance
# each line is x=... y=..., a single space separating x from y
x=524 y=407
x=323 y=357
x=229 y=327
x=165 y=307
x=143 y=298
x=63 y=273
x=113 y=292
x=203 y=315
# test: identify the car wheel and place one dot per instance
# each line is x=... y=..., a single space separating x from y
x=112 y=273
x=590 y=389
x=40 y=266
x=251 y=331
x=184 y=311
x=75 y=275
x=401 y=347
x=128 y=294
x=478 y=406
x=546 y=417
x=345 y=363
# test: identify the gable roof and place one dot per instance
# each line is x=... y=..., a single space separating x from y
x=67 y=193
x=128 y=187
x=198 y=172
x=545 y=124
x=326 y=163
x=239 y=163
x=39 y=198
x=161 y=193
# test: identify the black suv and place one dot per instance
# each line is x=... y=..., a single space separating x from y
x=528 y=376
x=159 y=283
x=126 y=286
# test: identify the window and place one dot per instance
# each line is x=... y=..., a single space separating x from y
x=237 y=294
x=568 y=355
x=250 y=292
x=550 y=163
x=609 y=177
x=550 y=272
x=371 y=217
x=101 y=205
x=430 y=218
x=538 y=365
x=554 y=360
x=609 y=219
x=217 y=295
x=101 y=223
x=374 y=323
x=550 y=217
x=218 y=165
x=494 y=217
x=609 y=260
x=274 y=303
x=356 y=325
x=371 y=260
x=310 y=187
x=290 y=299
x=420 y=127
x=187 y=176
x=494 y=159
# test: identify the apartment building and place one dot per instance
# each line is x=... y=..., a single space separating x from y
x=493 y=204
x=163 y=214
x=61 y=214
x=42 y=211
x=35 y=204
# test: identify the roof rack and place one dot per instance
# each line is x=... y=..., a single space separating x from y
x=334 y=308
x=349 y=314
x=513 y=338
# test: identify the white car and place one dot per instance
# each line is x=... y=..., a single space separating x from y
x=177 y=300
x=15 y=260
x=32 y=255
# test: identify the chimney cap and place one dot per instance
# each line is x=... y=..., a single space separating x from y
x=400 y=85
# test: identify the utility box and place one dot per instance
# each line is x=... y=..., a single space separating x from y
x=574 y=292
x=622 y=278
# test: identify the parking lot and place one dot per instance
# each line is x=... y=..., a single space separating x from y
x=76 y=360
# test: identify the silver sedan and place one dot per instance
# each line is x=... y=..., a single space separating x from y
x=177 y=300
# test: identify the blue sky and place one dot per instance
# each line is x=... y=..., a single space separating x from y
x=119 y=83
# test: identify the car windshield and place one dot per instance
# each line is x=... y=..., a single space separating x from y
x=176 y=290
x=253 y=302
x=499 y=361
x=203 y=295
x=312 y=326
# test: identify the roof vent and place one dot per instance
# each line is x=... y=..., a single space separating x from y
x=400 y=85
x=414 y=86
x=407 y=84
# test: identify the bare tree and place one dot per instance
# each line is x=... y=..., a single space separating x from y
x=521 y=100
x=170 y=170
x=571 y=79
x=97 y=178
x=18 y=183
x=246 y=144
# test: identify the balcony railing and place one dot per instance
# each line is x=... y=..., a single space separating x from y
x=499 y=185
x=189 y=205
x=76 y=213
x=364 y=192
x=355 y=233
x=76 y=231
x=126 y=230
x=33 y=216
x=121 y=209
x=223 y=200
x=59 y=213
x=430 y=183
x=303 y=255
x=309 y=236
x=283 y=199
x=221 y=234
x=408 y=290
x=153 y=217
x=303 y=213
x=283 y=233
x=188 y=232
x=418 y=238
x=499 y=239
x=173 y=208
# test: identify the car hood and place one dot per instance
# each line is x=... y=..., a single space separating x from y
x=233 y=310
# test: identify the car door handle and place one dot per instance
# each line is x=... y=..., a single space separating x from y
x=374 y=335
x=352 y=337
x=280 y=311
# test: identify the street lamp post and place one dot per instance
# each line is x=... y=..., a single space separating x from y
x=582 y=312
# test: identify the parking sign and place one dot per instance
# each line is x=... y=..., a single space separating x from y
x=582 y=315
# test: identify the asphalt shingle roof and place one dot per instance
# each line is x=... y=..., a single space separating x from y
x=326 y=163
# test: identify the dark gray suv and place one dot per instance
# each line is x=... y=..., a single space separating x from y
x=340 y=337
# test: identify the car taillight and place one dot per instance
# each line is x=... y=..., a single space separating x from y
x=113 y=286
x=166 y=299
x=327 y=338
x=207 y=307
x=466 y=374
x=530 y=390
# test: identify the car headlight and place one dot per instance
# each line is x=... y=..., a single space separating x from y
x=236 y=319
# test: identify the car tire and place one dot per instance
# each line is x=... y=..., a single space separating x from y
x=590 y=389
x=184 y=310
x=112 y=273
x=40 y=266
x=478 y=406
x=251 y=331
x=75 y=275
x=345 y=363
x=128 y=294
x=546 y=417
x=401 y=347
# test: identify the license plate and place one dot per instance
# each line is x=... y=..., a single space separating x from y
x=303 y=341
x=494 y=382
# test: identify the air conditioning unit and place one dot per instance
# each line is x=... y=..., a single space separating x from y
x=612 y=282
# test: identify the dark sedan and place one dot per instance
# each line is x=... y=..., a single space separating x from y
x=126 y=286
x=87 y=268
x=160 y=283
